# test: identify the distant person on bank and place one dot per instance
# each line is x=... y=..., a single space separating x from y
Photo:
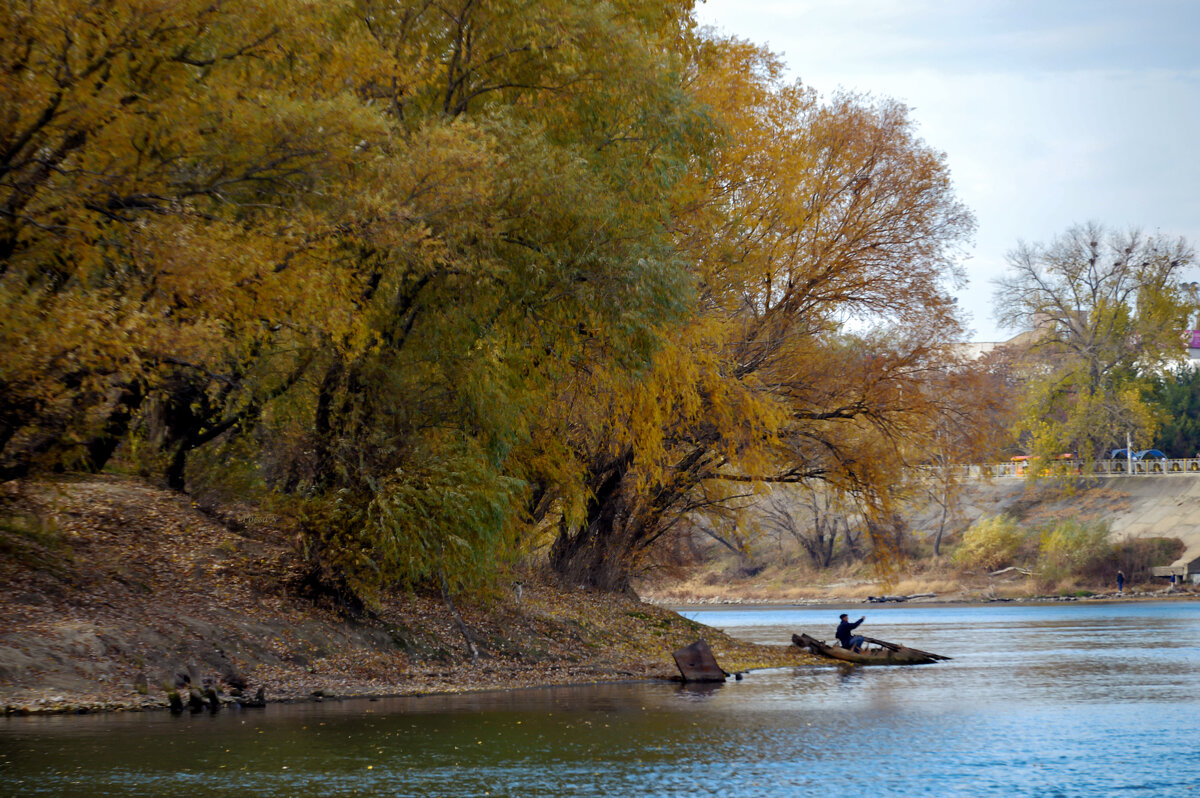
x=1120 y=581
x=845 y=634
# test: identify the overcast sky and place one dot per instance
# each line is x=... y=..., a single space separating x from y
x=1050 y=112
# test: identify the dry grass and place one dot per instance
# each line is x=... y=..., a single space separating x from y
x=922 y=584
x=797 y=583
x=717 y=582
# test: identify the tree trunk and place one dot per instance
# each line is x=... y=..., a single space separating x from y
x=323 y=425
x=597 y=554
x=177 y=469
x=100 y=448
x=827 y=554
x=937 y=539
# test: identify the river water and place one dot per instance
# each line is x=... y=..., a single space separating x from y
x=1059 y=700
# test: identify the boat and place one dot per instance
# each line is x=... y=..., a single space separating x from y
x=877 y=652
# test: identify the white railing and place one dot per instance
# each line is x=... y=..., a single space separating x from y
x=1103 y=468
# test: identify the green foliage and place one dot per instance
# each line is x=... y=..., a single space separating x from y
x=450 y=522
x=1177 y=393
x=990 y=543
x=1074 y=548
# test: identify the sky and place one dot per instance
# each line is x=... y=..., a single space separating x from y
x=1051 y=113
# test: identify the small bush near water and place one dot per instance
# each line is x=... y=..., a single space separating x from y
x=1063 y=555
x=992 y=542
x=1136 y=557
x=1075 y=551
x=1074 y=548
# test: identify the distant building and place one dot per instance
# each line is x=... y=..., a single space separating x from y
x=977 y=349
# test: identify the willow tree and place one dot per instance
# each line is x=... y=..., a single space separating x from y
x=163 y=168
x=815 y=216
x=542 y=149
x=1110 y=315
x=370 y=239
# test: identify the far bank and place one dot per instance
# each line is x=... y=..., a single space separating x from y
x=1138 y=529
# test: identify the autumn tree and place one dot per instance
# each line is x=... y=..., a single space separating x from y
x=821 y=214
x=978 y=400
x=370 y=239
x=161 y=184
x=1109 y=314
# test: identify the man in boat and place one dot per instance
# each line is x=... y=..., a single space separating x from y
x=844 y=633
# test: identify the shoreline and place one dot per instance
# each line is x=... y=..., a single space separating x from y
x=62 y=705
x=615 y=659
x=737 y=656
x=123 y=592
x=465 y=679
x=715 y=602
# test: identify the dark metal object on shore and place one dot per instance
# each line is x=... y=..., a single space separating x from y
x=884 y=653
x=696 y=663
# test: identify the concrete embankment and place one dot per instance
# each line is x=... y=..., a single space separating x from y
x=1141 y=506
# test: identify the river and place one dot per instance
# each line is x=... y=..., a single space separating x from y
x=1076 y=699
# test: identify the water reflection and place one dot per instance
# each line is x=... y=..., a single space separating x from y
x=699 y=691
x=1037 y=701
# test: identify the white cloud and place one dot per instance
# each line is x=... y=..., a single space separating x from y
x=1050 y=114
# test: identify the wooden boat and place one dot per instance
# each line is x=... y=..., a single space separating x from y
x=879 y=652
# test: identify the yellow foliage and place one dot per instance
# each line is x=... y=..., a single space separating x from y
x=991 y=543
x=535 y=248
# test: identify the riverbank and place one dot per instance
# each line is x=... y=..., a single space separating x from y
x=923 y=583
x=115 y=593
x=840 y=595
x=925 y=601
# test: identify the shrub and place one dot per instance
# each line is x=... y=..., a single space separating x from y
x=1074 y=548
x=1136 y=557
x=990 y=543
